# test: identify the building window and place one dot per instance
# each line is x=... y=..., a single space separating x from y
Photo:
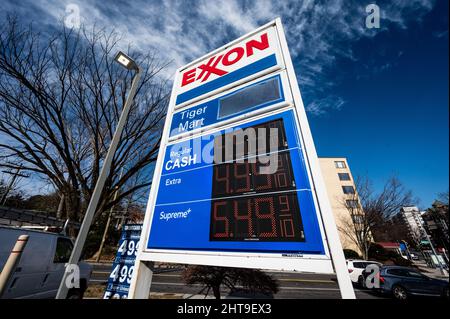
x=340 y=164
x=344 y=176
x=348 y=189
x=358 y=219
x=351 y=203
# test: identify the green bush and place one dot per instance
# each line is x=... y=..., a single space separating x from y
x=351 y=254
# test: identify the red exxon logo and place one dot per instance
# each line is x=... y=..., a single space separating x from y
x=215 y=65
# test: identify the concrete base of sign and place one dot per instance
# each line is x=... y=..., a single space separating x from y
x=142 y=280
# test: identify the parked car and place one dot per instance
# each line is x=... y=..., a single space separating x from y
x=403 y=282
x=414 y=256
x=41 y=266
x=355 y=269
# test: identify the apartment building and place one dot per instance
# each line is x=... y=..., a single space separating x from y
x=413 y=220
x=341 y=191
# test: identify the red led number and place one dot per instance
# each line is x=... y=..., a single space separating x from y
x=223 y=180
x=242 y=174
x=266 y=202
x=247 y=217
x=221 y=206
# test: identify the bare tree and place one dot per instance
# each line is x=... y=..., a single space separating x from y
x=60 y=97
x=443 y=198
x=371 y=212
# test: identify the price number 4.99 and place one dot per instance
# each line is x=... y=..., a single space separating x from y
x=129 y=247
x=122 y=273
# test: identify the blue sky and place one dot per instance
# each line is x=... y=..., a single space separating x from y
x=376 y=96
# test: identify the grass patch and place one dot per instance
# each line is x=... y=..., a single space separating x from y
x=95 y=291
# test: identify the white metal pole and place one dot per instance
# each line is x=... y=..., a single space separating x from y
x=90 y=212
x=108 y=222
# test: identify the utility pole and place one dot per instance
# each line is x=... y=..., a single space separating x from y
x=11 y=184
x=441 y=267
x=125 y=214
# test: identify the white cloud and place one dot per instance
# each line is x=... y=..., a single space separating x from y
x=323 y=105
x=318 y=32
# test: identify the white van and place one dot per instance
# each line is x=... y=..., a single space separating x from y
x=41 y=266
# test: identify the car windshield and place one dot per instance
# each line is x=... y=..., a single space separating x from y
x=63 y=250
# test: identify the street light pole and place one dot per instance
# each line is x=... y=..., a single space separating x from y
x=128 y=63
x=108 y=221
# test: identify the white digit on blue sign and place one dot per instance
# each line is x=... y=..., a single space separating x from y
x=130 y=274
x=131 y=246
x=137 y=248
x=123 y=273
x=115 y=273
x=123 y=247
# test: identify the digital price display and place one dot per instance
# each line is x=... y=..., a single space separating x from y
x=248 y=205
x=262 y=93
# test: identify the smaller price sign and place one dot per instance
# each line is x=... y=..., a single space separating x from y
x=122 y=270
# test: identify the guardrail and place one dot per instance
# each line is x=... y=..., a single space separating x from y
x=20 y=217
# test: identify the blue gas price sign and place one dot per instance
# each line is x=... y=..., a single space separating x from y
x=231 y=205
x=123 y=266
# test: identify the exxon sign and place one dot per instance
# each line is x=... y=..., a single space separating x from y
x=229 y=66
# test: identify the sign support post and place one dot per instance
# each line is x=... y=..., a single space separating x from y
x=142 y=280
x=334 y=243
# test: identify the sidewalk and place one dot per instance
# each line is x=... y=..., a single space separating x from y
x=158 y=295
x=431 y=272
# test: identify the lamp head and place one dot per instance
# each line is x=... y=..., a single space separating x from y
x=126 y=61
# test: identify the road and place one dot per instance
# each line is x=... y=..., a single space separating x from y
x=292 y=285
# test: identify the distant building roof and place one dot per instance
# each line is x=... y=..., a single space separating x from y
x=389 y=245
x=410 y=209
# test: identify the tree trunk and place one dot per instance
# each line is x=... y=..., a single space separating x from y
x=73 y=210
x=366 y=252
x=216 y=291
